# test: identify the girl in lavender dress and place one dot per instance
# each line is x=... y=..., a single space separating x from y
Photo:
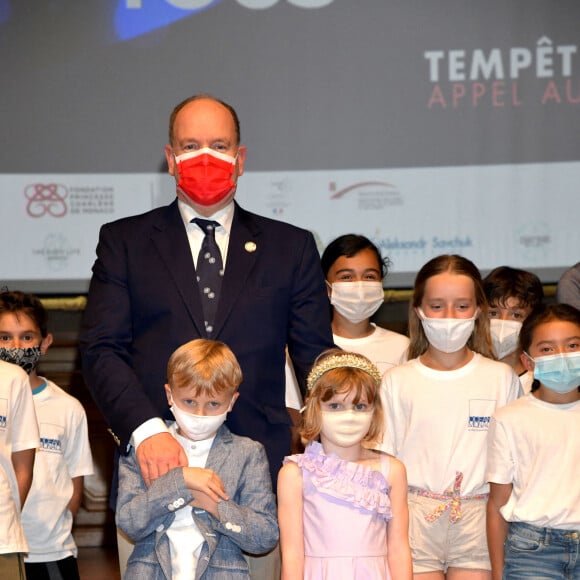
x=342 y=507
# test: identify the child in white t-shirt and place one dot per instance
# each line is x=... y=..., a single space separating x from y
x=18 y=442
x=533 y=512
x=64 y=456
x=438 y=406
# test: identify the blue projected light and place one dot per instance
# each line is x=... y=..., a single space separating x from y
x=4 y=11
x=136 y=17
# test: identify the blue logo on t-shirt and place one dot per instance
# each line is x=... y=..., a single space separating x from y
x=52 y=445
x=479 y=422
x=480 y=412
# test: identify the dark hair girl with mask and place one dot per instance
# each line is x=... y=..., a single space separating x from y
x=534 y=444
x=354 y=270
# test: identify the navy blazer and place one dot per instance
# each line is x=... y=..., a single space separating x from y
x=143 y=303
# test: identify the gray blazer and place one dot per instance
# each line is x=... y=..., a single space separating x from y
x=247 y=521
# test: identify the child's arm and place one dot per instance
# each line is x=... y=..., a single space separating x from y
x=142 y=510
x=207 y=488
x=248 y=518
x=398 y=549
x=23 y=463
x=500 y=475
x=75 y=501
x=78 y=456
x=290 y=519
x=496 y=526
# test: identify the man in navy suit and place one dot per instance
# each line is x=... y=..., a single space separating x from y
x=144 y=300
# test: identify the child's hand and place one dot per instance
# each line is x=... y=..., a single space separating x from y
x=205 y=481
x=204 y=502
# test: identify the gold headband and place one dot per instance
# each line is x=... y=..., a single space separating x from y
x=336 y=361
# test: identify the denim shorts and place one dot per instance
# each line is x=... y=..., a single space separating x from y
x=541 y=553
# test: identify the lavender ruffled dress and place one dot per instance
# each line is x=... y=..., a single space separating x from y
x=346 y=510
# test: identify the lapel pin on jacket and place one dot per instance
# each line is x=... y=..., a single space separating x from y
x=250 y=247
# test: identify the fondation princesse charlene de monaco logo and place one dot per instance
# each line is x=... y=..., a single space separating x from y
x=46 y=199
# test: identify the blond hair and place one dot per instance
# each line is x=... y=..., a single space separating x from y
x=209 y=365
x=336 y=381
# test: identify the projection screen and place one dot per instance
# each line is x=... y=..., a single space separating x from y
x=449 y=126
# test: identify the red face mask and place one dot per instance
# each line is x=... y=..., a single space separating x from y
x=205 y=176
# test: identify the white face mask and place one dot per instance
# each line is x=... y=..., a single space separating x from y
x=345 y=428
x=357 y=301
x=447 y=334
x=504 y=336
x=198 y=427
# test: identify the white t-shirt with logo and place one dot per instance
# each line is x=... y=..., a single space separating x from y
x=64 y=453
x=535 y=446
x=18 y=432
x=436 y=422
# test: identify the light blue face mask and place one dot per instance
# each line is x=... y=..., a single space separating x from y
x=558 y=372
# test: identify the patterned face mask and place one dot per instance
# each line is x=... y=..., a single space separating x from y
x=26 y=358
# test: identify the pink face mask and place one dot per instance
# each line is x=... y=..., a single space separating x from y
x=205 y=176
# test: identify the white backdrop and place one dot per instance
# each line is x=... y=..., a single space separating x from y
x=519 y=215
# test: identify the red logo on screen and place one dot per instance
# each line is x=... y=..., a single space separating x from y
x=46 y=198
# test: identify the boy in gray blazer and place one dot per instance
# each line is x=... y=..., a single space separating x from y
x=196 y=521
